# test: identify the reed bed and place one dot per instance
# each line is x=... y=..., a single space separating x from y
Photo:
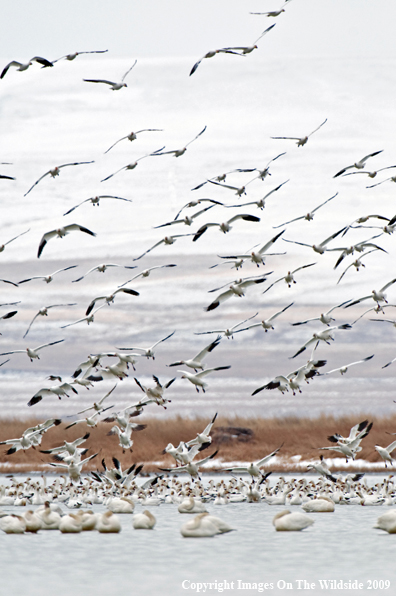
x=236 y=439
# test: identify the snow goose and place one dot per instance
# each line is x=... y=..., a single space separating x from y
x=98 y=406
x=261 y=202
x=196 y=361
x=114 y=86
x=55 y=172
x=322 y=468
x=120 y=505
x=253 y=468
x=188 y=220
x=109 y=299
x=289 y=277
x=321 y=247
x=226 y=225
x=88 y=318
x=149 y=352
x=108 y=523
x=168 y=240
x=47 y=278
x=285 y=521
x=70 y=524
x=210 y=54
x=133 y=165
x=24 y=66
x=13 y=524
x=387 y=522
x=237 y=288
x=180 y=152
x=61 y=390
x=33 y=352
x=359 y=247
x=133 y=136
x=319 y=505
x=199 y=527
x=385 y=452
x=44 y=313
x=308 y=216
x=227 y=332
x=301 y=141
x=50 y=520
x=324 y=318
x=33 y=521
x=2 y=246
x=392 y=178
x=72 y=56
x=192 y=467
x=203 y=439
x=73 y=468
x=102 y=268
x=191 y=505
x=198 y=378
x=357 y=263
x=60 y=233
x=377 y=295
x=144 y=520
x=256 y=257
x=249 y=49
x=343 y=369
x=359 y=165
x=266 y=324
x=326 y=335
x=95 y=201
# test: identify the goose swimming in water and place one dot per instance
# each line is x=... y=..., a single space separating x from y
x=144 y=520
x=284 y=521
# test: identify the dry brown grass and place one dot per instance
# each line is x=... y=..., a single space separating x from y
x=236 y=439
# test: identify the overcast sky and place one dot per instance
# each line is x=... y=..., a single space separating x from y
x=140 y=28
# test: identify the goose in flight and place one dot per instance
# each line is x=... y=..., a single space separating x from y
x=146 y=273
x=132 y=166
x=324 y=318
x=273 y=13
x=2 y=246
x=308 y=216
x=155 y=393
x=227 y=332
x=47 y=278
x=385 y=452
x=359 y=165
x=133 y=136
x=392 y=178
x=60 y=233
x=322 y=468
x=253 y=468
x=321 y=247
x=210 y=54
x=180 y=152
x=256 y=257
x=149 y=352
x=114 y=86
x=60 y=390
x=56 y=171
x=344 y=369
x=266 y=323
x=44 y=313
x=109 y=299
x=249 y=49
x=24 y=66
x=73 y=468
x=168 y=240
x=24 y=442
x=95 y=201
x=239 y=191
x=102 y=268
x=119 y=371
x=326 y=335
x=377 y=296
x=203 y=439
x=225 y=226
x=358 y=247
x=98 y=406
x=237 y=288
x=222 y=177
x=196 y=361
x=363 y=219
x=191 y=204
x=357 y=263
x=370 y=174
x=192 y=467
x=70 y=57
x=188 y=220
x=294 y=379
x=289 y=277
x=90 y=421
x=33 y=352
x=261 y=202
x=88 y=318
x=198 y=378
x=301 y=141
x=358 y=431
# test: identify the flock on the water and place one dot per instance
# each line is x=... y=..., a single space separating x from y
x=211 y=217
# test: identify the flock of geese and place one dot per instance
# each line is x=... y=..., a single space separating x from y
x=97 y=503
x=112 y=486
